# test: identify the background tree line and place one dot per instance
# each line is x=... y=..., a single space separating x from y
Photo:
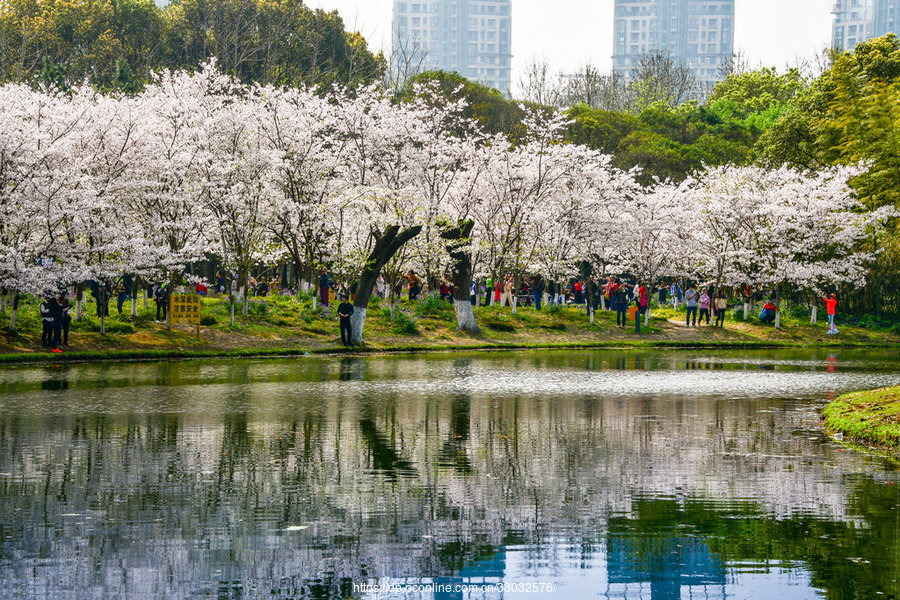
x=119 y=44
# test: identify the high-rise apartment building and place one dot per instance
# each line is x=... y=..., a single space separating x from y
x=470 y=37
x=858 y=20
x=698 y=33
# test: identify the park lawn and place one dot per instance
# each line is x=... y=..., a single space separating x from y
x=290 y=324
x=870 y=418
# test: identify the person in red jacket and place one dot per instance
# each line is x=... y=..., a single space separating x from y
x=831 y=309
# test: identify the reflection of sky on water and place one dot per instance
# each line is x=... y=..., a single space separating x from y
x=612 y=475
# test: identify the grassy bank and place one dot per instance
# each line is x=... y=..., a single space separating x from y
x=279 y=326
x=870 y=418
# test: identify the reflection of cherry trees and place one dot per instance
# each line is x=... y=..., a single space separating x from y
x=327 y=472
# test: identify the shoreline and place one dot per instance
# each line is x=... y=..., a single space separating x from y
x=868 y=419
x=174 y=354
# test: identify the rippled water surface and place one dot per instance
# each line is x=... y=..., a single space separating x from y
x=663 y=475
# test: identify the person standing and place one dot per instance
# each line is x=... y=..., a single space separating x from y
x=704 y=307
x=324 y=286
x=721 y=307
x=620 y=296
x=831 y=309
x=537 y=288
x=46 y=320
x=123 y=291
x=102 y=297
x=220 y=283
x=380 y=286
x=161 y=297
x=507 y=292
x=690 y=298
x=65 y=311
x=57 y=314
x=345 y=311
x=262 y=289
x=643 y=301
x=415 y=285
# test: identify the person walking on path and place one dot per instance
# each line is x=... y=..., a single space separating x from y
x=831 y=309
x=324 y=287
x=345 y=311
x=691 y=297
x=721 y=305
x=704 y=307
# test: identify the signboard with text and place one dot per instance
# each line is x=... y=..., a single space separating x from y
x=185 y=309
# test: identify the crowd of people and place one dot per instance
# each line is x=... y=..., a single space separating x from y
x=629 y=299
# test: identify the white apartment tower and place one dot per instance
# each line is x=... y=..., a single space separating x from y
x=470 y=37
x=858 y=20
x=698 y=33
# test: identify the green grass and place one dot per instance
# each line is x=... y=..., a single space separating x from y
x=284 y=325
x=868 y=418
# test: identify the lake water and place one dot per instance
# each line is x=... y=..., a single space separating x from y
x=663 y=475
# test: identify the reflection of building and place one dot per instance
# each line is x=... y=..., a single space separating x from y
x=468 y=37
x=698 y=33
x=858 y=20
x=666 y=562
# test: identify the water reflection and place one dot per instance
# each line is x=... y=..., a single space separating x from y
x=618 y=475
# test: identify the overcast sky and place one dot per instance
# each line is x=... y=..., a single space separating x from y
x=768 y=32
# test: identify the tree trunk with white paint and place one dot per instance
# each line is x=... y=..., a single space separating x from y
x=357 y=320
x=457 y=240
x=814 y=318
x=135 y=290
x=647 y=316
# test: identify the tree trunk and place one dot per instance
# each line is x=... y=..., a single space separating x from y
x=79 y=301
x=357 y=320
x=457 y=239
x=135 y=290
x=746 y=309
x=513 y=300
x=602 y=303
x=814 y=318
x=14 y=312
x=245 y=301
x=386 y=246
x=778 y=307
x=592 y=316
x=647 y=317
x=102 y=324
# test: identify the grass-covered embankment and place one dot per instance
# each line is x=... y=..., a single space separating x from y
x=285 y=325
x=869 y=418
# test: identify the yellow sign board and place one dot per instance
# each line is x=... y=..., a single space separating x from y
x=184 y=309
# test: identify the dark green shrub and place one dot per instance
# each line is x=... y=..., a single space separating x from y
x=404 y=324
